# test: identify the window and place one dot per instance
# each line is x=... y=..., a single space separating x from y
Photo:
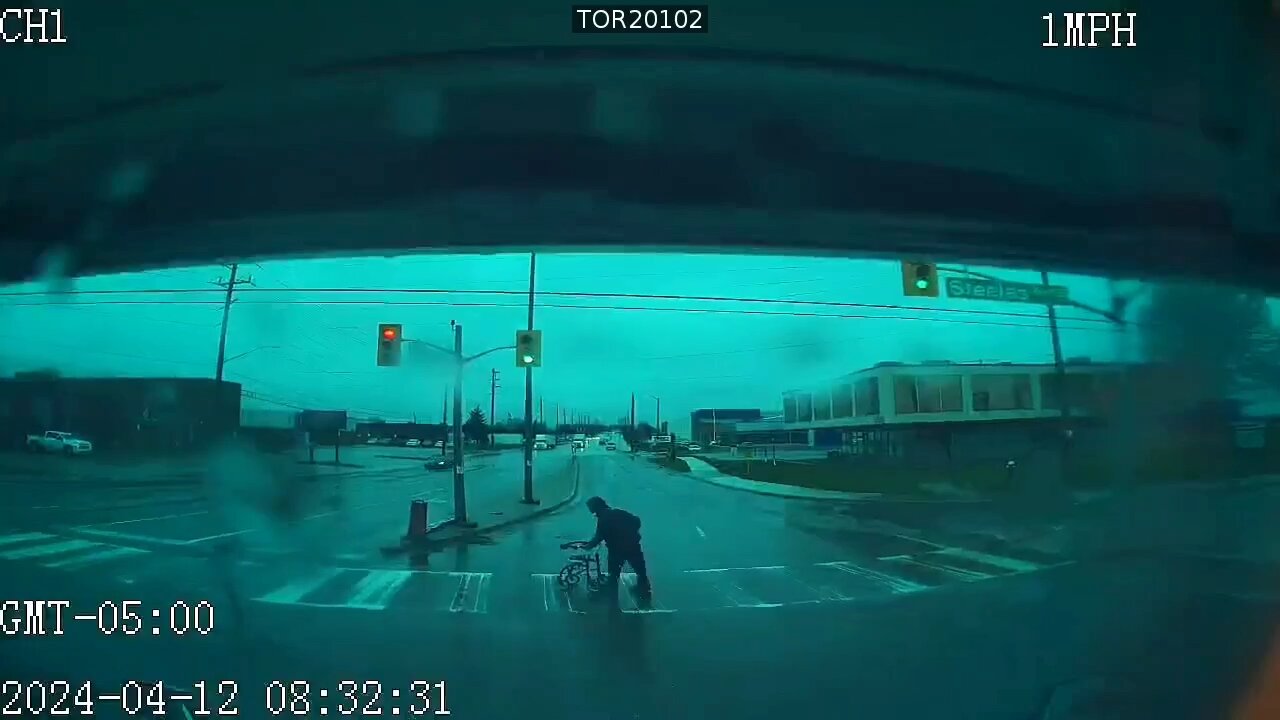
x=904 y=394
x=822 y=405
x=804 y=407
x=1001 y=392
x=788 y=408
x=928 y=393
x=866 y=396
x=1080 y=391
x=842 y=401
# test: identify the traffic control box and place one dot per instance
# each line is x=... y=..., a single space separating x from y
x=419 y=516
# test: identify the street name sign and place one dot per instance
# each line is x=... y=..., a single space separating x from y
x=978 y=289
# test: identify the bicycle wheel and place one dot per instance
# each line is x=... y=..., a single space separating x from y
x=570 y=575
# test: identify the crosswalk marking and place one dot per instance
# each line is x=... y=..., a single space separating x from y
x=56 y=548
x=380 y=589
x=99 y=556
x=962 y=573
x=472 y=595
x=377 y=589
x=895 y=583
x=1000 y=561
x=23 y=537
x=293 y=592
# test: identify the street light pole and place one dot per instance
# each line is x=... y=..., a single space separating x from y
x=459 y=482
x=528 y=401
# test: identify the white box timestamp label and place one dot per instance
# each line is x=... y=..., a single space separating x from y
x=644 y=19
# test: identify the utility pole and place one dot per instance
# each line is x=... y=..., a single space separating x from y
x=230 y=284
x=459 y=483
x=528 y=400
x=493 y=402
x=541 y=407
x=633 y=411
x=1060 y=373
x=444 y=422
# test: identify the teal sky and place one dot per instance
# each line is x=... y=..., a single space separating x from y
x=317 y=349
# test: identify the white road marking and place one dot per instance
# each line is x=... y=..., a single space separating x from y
x=56 y=548
x=23 y=537
x=962 y=573
x=550 y=588
x=148 y=519
x=472 y=595
x=731 y=569
x=125 y=536
x=894 y=583
x=96 y=557
x=734 y=592
x=291 y=593
x=629 y=603
x=701 y=534
x=377 y=589
x=999 y=561
x=219 y=536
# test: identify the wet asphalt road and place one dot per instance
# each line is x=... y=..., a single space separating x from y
x=763 y=607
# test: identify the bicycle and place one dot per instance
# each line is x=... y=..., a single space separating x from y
x=582 y=565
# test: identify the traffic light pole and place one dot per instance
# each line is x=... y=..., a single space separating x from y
x=459 y=480
x=528 y=401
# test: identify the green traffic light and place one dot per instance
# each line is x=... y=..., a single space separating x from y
x=526 y=359
x=922 y=284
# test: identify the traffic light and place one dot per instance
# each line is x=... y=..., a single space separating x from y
x=389 y=338
x=919 y=279
x=528 y=348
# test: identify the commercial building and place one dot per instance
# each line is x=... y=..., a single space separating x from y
x=967 y=409
x=135 y=414
x=719 y=423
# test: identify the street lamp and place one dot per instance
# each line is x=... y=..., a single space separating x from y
x=460 y=362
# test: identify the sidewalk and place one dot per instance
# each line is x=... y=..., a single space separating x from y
x=704 y=471
x=492 y=506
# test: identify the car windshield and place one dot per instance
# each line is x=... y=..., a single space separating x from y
x=930 y=347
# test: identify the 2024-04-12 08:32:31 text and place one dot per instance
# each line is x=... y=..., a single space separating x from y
x=222 y=698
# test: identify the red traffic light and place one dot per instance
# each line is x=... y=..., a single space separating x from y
x=389 y=334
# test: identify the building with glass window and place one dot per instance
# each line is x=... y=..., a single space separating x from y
x=883 y=408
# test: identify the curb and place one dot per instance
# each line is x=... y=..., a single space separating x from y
x=853 y=498
x=46 y=482
x=540 y=512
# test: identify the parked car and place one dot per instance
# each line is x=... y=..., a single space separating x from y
x=56 y=441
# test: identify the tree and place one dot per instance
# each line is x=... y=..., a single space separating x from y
x=1217 y=337
x=476 y=428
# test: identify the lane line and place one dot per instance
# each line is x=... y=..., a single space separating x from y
x=962 y=573
x=148 y=519
x=701 y=534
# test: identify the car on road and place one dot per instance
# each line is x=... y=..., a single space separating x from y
x=57 y=441
x=579 y=444
x=693 y=447
x=611 y=446
x=540 y=445
x=413 y=443
x=439 y=464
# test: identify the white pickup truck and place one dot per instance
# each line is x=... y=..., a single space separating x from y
x=55 y=441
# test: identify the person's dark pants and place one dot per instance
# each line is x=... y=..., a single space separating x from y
x=631 y=555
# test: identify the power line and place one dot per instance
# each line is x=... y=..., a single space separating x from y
x=1100 y=327
x=566 y=294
